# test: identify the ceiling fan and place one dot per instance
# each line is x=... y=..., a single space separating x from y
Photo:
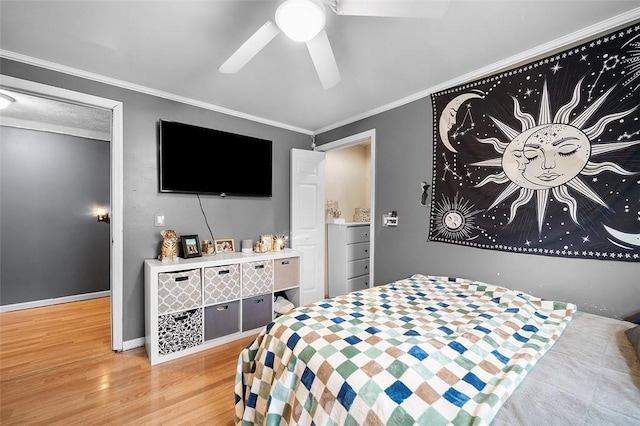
x=304 y=21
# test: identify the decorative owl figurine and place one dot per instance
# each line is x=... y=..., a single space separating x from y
x=169 y=248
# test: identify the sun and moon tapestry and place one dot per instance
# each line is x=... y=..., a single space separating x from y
x=544 y=158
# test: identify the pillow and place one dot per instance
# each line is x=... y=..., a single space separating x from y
x=633 y=334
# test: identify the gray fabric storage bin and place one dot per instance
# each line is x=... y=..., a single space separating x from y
x=257 y=311
x=286 y=273
x=221 y=319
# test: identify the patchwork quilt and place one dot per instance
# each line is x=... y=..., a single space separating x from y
x=422 y=350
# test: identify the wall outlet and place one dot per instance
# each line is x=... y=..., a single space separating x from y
x=159 y=219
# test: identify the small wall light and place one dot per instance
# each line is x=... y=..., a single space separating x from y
x=102 y=215
x=5 y=100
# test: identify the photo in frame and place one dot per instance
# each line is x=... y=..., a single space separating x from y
x=225 y=246
x=267 y=240
x=190 y=246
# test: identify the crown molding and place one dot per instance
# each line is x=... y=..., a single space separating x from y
x=561 y=43
x=29 y=60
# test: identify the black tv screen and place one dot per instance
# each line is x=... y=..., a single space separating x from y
x=198 y=160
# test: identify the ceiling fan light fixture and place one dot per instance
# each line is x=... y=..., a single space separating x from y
x=300 y=20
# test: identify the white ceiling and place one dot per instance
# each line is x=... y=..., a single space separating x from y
x=174 y=48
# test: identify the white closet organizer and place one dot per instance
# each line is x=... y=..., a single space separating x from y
x=198 y=303
x=348 y=253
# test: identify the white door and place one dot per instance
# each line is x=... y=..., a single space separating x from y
x=307 y=220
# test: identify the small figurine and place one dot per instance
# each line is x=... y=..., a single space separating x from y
x=260 y=247
x=169 y=248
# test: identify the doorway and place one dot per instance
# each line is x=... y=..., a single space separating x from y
x=361 y=149
x=116 y=184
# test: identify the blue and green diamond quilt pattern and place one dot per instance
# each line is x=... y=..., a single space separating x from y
x=422 y=350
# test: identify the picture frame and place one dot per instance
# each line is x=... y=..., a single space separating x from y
x=225 y=245
x=190 y=246
x=267 y=240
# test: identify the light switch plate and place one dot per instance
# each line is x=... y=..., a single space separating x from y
x=159 y=219
x=389 y=219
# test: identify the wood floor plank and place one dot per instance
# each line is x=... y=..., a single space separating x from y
x=111 y=388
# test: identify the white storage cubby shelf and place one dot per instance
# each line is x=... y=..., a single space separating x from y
x=198 y=303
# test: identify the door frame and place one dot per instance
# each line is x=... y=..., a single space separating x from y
x=116 y=263
x=357 y=139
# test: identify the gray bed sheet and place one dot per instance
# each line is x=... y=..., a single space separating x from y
x=591 y=376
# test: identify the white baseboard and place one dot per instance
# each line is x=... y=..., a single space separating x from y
x=132 y=344
x=55 y=301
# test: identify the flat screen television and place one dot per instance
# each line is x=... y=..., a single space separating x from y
x=198 y=160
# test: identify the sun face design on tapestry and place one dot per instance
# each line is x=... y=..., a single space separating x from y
x=566 y=177
x=549 y=155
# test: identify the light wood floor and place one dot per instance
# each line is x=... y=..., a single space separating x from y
x=41 y=338
x=60 y=371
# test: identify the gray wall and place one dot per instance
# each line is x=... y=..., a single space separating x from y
x=404 y=149
x=229 y=218
x=51 y=244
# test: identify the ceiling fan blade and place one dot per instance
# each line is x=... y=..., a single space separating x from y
x=391 y=8
x=250 y=48
x=323 y=59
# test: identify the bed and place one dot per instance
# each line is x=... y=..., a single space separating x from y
x=438 y=350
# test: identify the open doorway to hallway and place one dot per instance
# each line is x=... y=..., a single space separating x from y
x=73 y=108
x=55 y=175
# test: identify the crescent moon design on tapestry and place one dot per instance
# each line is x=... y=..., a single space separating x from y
x=448 y=116
x=633 y=239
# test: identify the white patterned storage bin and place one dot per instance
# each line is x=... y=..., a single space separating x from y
x=179 y=291
x=221 y=284
x=257 y=278
x=179 y=331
